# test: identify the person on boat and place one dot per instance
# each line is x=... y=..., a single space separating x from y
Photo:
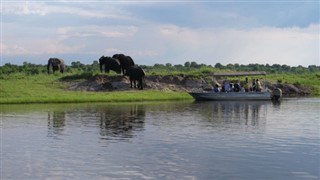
x=258 y=85
x=222 y=88
x=231 y=87
x=253 y=86
x=236 y=87
x=246 y=85
x=216 y=88
x=243 y=89
x=227 y=86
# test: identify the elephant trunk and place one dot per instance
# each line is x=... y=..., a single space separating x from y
x=61 y=68
x=48 y=67
x=100 y=66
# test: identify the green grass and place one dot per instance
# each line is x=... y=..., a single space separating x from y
x=19 y=88
x=308 y=79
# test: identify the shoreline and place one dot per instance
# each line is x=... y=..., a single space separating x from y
x=111 y=89
x=173 y=83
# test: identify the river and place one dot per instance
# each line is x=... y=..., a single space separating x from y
x=162 y=140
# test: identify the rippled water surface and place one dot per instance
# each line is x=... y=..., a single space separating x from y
x=182 y=140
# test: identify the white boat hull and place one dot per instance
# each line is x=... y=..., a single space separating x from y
x=231 y=96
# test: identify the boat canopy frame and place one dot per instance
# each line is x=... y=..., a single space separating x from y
x=241 y=73
x=253 y=73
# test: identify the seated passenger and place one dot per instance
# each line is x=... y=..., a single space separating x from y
x=216 y=88
x=243 y=89
x=227 y=86
x=236 y=88
x=223 y=89
x=259 y=87
x=253 y=86
x=246 y=87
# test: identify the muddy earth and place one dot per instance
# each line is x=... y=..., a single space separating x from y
x=101 y=83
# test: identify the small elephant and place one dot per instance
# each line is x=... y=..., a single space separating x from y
x=109 y=64
x=135 y=74
x=125 y=61
x=56 y=64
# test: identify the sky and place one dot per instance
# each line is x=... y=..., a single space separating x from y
x=208 y=32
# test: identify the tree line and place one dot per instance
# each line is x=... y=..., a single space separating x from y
x=78 y=67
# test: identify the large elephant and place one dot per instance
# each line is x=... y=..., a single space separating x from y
x=56 y=64
x=135 y=74
x=125 y=61
x=109 y=63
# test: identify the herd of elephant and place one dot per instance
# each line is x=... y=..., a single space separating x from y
x=119 y=63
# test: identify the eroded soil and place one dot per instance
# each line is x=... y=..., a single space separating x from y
x=100 y=83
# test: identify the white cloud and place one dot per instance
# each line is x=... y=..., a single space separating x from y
x=151 y=41
x=100 y=31
x=39 y=47
x=110 y=51
x=292 y=46
x=12 y=50
x=42 y=9
x=169 y=43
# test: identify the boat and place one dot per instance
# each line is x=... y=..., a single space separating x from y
x=264 y=94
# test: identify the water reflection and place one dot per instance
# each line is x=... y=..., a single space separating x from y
x=56 y=122
x=111 y=120
x=179 y=140
x=121 y=121
x=249 y=113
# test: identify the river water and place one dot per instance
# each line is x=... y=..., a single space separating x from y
x=171 y=140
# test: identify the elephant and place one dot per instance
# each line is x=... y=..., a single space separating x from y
x=109 y=64
x=135 y=74
x=125 y=61
x=56 y=64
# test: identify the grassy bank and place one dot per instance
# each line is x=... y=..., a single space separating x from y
x=311 y=80
x=19 y=88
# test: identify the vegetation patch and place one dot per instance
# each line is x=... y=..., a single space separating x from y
x=29 y=83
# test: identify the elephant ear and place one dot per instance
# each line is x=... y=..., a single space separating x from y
x=117 y=61
x=62 y=61
x=142 y=71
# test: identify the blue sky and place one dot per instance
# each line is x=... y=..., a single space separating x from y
x=152 y=32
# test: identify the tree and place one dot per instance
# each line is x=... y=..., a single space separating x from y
x=187 y=64
x=230 y=66
x=194 y=64
x=218 y=65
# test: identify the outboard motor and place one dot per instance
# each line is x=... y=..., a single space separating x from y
x=276 y=94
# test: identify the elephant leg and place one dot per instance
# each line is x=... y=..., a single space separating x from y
x=140 y=84
x=134 y=82
x=131 y=82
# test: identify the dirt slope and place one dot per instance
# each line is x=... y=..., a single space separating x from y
x=163 y=83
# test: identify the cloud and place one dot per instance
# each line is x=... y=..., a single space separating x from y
x=292 y=46
x=110 y=51
x=162 y=43
x=157 y=32
x=43 y=9
x=39 y=47
x=100 y=31
x=12 y=50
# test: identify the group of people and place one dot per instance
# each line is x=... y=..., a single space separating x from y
x=236 y=87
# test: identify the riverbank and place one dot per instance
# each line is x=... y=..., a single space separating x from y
x=166 y=83
x=20 y=89
x=76 y=88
